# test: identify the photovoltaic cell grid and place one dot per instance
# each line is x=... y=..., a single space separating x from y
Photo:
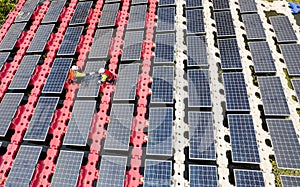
x=112 y=171
x=221 y=4
x=199 y=89
x=23 y=167
x=202 y=141
x=196 y=50
x=81 y=13
x=273 y=97
x=203 y=176
x=253 y=26
x=157 y=173
x=290 y=181
x=193 y=3
x=41 y=120
x=70 y=41
x=80 y=123
x=11 y=37
x=247 y=178
x=262 y=57
x=54 y=11
x=40 y=39
x=109 y=15
x=243 y=139
x=230 y=55
x=58 y=75
x=160 y=131
x=296 y=85
x=247 y=6
x=162 y=86
x=166 y=19
x=24 y=72
x=137 y=16
x=195 y=21
x=285 y=143
x=235 y=92
x=101 y=44
x=3 y=58
x=126 y=82
x=27 y=10
x=166 y=2
x=119 y=127
x=67 y=169
x=283 y=29
x=164 y=49
x=224 y=24
x=132 y=45
x=135 y=2
x=8 y=108
x=291 y=55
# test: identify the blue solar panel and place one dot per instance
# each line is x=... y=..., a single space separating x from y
x=203 y=176
x=81 y=13
x=109 y=15
x=195 y=21
x=11 y=37
x=253 y=26
x=70 y=41
x=27 y=10
x=193 y=3
x=224 y=24
x=166 y=19
x=283 y=29
x=247 y=6
x=157 y=173
x=166 y=2
x=291 y=55
x=132 y=45
x=230 y=56
x=54 y=11
x=40 y=39
x=290 y=181
x=196 y=51
x=296 y=85
x=3 y=58
x=164 y=49
x=137 y=17
x=221 y=4
x=101 y=44
x=248 y=178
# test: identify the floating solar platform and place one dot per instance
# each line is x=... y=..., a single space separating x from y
x=81 y=13
x=132 y=45
x=230 y=55
x=101 y=44
x=166 y=19
x=254 y=27
x=283 y=29
x=109 y=15
x=11 y=37
x=247 y=6
x=137 y=17
x=291 y=55
x=195 y=21
x=164 y=49
x=289 y=181
x=221 y=5
x=40 y=39
x=71 y=39
x=157 y=173
x=247 y=178
x=296 y=86
x=27 y=10
x=193 y=3
x=54 y=11
x=224 y=24
x=3 y=58
x=196 y=51
x=203 y=176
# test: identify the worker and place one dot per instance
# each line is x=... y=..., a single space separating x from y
x=106 y=76
x=76 y=75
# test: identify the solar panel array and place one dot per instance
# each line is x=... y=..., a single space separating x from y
x=247 y=6
x=203 y=176
x=11 y=37
x=166 y=2
x=253 y=26
x=283 y=29
x=221 y=4
x=109 y=15
x=137 y=16
x=71 y=39
x=224 y=24
x=291 y=55
x=230 y=55
x=166 y=19
x=290 y=181
x=101 y=44
x=195 y=21
x=27 y=10
x=3 y=58
x=157 y=173
x=40 y=39
x=193 y=3
x=196 y=51
x=132 y=45
x=54 y=11
x=246 y=178
x=296 y=85
x=164 y=49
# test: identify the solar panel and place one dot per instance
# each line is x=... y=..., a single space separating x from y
x=162 y=85
x=157 y=173
x=127 y=82
x=283 y=29
x=195 y=21
x=221 y=5
x=81 y=13
x=23 y=166
x=58 y=75
x=273 y=97
x=235 y=92
x=24 y=73
x=262 y=57
x=166 y=2
x=54 y=11
x=119 y=127
x=101 y=44
x=8 y=108
x=246 y=178
x=224 y=24
x=247 y=6
x=290 y=181
x=296 y=85
x=41 y=119
x=111 y=1
x=291 y=55
x=67 y=169
x=160 y=131
x=253 y=26
x=166 y=19
x=243 y=139
x=230 y=55
x=71 y=39
x=109 y=15
x=196 y=51
x=90 y=86
x=80 y=123
x=40 y=39
x=203 y=176
x=137 y=17
x=164 y=49
x=11 y=37
x=3 y=58
x=135 y=2
x=27 y=10
x=132 y=45
x=285 y=143
x=112 y=171
x=199 y=89
x=193 y=3
x=202 y=141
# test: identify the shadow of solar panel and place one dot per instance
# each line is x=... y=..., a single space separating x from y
x=70 y=41
x=27 y=10
x=41 y=119
x=195 y=21
x=273 y=97
x=203 y=176
x=243 y=139
x=202 y=141
x=253 y=26
x=235 y=92
x=247 y=6
x=224 y=24
x=11 y=37
x=283 y=29
x=166 y=2
x=54 y=11
x=285 y=143
x=246 y=178
x=40 y=39
x=8 y=108
x=296 y=86
x=157 y=173
x=221 y=5
x=3 y=58
x=164 y=49
x=24 y=73
x=58 y=75
x=162 y=85
x=196 y=51
x=291 y=55
x=109 y=15
x=137 y=17
x=193 y=3
x=81 y=13
x=262 y=57
x=67 y=169
x=132 y=45
x=166 y=19
x=112 y=171
x=119 y=127
x=23 y=166
x=230 y=55
x=101 y=44
x=290 y=181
